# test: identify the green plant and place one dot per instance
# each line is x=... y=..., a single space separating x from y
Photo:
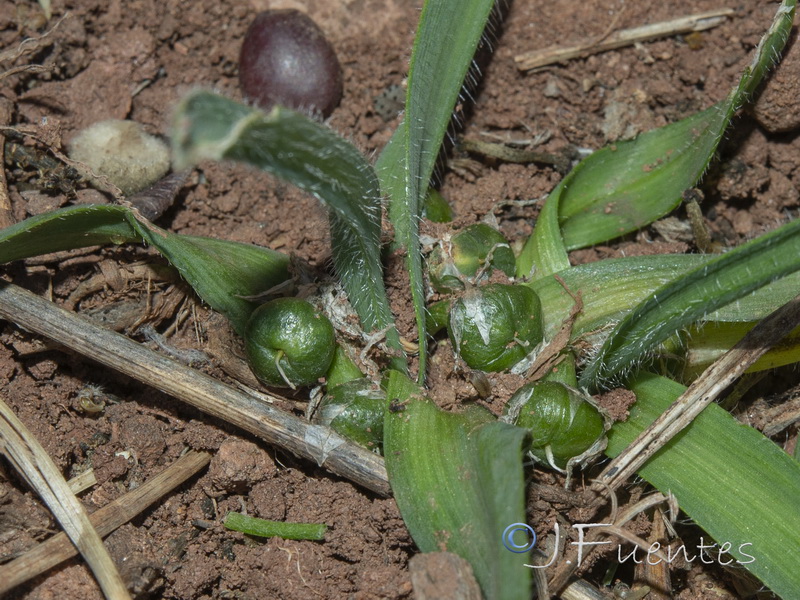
x=288 y=343
x=355 y=409
x=452 y=470
x=495 y=326
x=471 y=254
x=563 y=422
x=264 y=528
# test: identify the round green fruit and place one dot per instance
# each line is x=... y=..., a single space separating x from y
x=495 y=326
x=355 y=410
x=563 y=423
x=476 y=247
x=288 y=343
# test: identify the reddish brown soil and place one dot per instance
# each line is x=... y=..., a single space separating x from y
x=134 y=60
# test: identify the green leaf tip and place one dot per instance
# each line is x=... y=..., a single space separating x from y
x=631 y=183
x=442 y=56
x=190 y=144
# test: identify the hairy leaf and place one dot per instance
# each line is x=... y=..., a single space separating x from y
x=224 y=274
x=690 y=298
x=610 y=289
x=629 y=184
x=312 y=157
x=446 y=40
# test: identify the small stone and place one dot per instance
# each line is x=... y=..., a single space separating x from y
x=123 y=152
x=38 y=202
x=90 y=196
x=286 y=59
x=552 y=89
x=238 y=465
x=743 y=223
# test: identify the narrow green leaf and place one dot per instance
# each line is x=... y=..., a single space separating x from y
x=448 y=35
x=690 y=298
x=391 y=171
x=446 y=40
x=708 y=341
x=264 y=528
x=732 y=481
x=222 y=273
x=67 y=229
x=391 y=168
x=611 y=289
x=626 y=186
x=544 y=253
x=312 y=157
x=629 y=184
x=459 y=483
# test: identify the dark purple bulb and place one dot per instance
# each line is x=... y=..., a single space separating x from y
x=286 y=60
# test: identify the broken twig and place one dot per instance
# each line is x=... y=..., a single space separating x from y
x=28 y=457
x=627 y=37
x=58 y=548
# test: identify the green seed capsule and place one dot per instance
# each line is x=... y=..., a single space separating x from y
x=563 y=423
x=288 y=343
x=478 y=246
x=355 y=410
x=495 y=326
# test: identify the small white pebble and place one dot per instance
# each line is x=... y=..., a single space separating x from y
x=123 y=152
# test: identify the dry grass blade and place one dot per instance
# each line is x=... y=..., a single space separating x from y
x=656 y=577
x=626 y=37
x=313 y=442
x=701 y=393
x=105 y=520
x=29 y=458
